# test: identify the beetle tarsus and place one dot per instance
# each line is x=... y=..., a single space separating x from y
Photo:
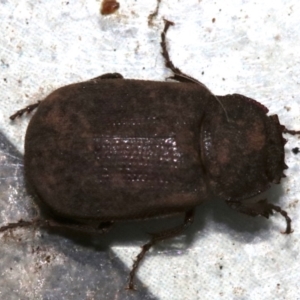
x=287 y=218
x=157 y=237
x=28 y=109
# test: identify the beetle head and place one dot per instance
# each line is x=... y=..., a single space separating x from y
x=243 y=155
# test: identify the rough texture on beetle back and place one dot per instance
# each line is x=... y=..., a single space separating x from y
x=118 y=149
x=244 y=155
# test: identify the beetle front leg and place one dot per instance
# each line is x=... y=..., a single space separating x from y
x=260 y=208
x=28 y=109
x=157 y=237
x=178 y=74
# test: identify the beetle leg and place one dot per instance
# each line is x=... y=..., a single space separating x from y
x=292 y=132
x=28 y=109
x=260 y=208
x=157 y=237
x=108 y=76
x=21 y=223
x=102 y=228
x=178 y=74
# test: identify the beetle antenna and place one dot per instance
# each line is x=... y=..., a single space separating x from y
x=178 y=74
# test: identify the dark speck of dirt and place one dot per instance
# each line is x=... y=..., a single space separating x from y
x=295 y=150
x=154 y=14
x=109 y=7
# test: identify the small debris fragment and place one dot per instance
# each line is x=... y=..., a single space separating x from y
x=109 y=7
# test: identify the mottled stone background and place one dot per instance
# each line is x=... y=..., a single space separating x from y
x=234 y=46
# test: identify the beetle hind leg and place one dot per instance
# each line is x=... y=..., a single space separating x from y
x=49 y=223
x=157 y=237
x=261 y=208
x=20 y=224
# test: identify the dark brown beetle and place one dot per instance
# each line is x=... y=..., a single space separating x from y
x=111 y=149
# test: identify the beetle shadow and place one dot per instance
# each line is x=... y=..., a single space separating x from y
x=129 y=233
x=247 y=228
x=215 y=213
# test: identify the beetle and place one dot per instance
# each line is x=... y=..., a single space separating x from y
x=112 y=149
